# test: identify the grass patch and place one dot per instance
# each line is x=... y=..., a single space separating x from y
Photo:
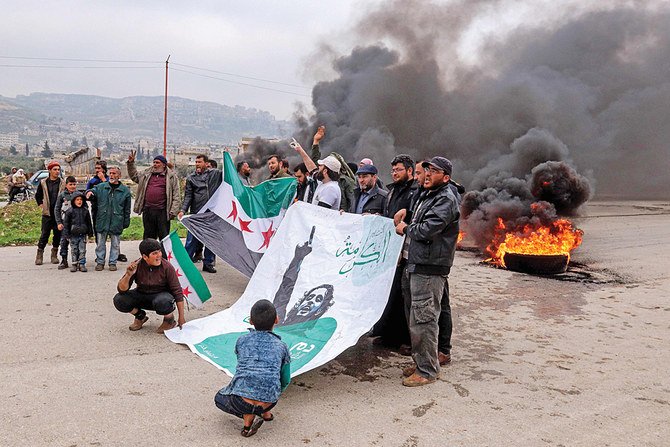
x=20 y=224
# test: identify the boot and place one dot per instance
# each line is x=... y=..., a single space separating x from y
x=63 y=264
x=54 y=255
x=138 y=322
x=39 y=259
x=167 y=324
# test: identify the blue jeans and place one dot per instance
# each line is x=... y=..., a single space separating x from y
x=235 y=405
x=78 y=249
x=193 y=244
x=101 y=248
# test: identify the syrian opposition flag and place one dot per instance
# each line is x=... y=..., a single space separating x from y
x=193 y=285
x=238 y=222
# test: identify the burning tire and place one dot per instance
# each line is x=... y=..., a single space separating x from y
x=536 y=264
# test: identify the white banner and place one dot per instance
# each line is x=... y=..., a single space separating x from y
x=328 y=274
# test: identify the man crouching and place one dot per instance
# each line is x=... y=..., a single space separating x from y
x=157 y=289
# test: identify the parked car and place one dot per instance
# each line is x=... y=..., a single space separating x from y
x=39 y=175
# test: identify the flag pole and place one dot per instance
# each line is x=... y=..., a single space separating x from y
x=165 y=114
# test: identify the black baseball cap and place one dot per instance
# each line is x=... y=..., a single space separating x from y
x=440 y=163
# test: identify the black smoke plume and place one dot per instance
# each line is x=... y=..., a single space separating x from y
x=596 y=81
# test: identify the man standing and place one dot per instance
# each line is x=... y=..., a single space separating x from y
x=157 y=289
x=199 y=188
x=430 y=245
x=392 y=326
x=368 y=198
x=303 y=190
x=243 y=172
x=45 y=196
x=157 y=196
x=345 y=178
x=327 y=192
x=113 y=216
x=274 y=167
x=99 y=177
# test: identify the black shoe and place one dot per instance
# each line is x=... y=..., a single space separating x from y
x=122 y=258
x=208 y=268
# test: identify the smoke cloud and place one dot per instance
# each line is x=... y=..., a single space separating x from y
x=591 y=91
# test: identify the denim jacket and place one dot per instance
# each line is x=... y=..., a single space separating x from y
x=261 y=355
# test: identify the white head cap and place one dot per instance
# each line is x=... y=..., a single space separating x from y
x=331 y=163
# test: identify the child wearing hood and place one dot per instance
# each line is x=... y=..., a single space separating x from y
x=77 y=225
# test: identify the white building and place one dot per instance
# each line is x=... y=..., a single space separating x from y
x=9 y=139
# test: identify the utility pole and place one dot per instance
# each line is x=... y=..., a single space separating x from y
x=165 y=114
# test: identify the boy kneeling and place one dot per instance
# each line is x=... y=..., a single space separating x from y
x=262 y=372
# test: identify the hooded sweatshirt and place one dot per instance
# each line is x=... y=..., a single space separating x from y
x=77 y=220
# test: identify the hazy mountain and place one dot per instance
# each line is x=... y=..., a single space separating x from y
x=142 y=116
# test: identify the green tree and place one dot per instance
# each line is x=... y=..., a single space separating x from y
x=12 y=150
x=84 y=142
x=27 y=150
x=47 y=152
x=109 y=145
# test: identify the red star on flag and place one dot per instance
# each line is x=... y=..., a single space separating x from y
x=233 y=213
x=177 y=272
x=267 y=235
x=186 y=292
x=244 y=225
x=169 y=256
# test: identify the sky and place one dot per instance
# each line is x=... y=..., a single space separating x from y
x=266 y=40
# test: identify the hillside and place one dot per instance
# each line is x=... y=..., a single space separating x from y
x=140 y=116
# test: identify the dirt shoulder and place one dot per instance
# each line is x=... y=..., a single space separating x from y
x=536 y=361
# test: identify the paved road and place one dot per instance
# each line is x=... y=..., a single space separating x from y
x=576 y=362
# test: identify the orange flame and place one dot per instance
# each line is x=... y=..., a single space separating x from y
x=559 y=237
x=461 y=235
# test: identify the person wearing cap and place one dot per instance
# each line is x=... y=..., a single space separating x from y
x=346 y=179
x=368 y=162
x=157 y=289
x=327 y=193
x=45 y=196
x=368 y=197
x=430 y=244
x=112 y=199
x=157 y=197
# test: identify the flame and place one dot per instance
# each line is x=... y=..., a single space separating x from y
x=461 y=235
x=558 y=237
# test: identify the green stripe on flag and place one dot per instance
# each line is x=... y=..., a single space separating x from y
x=189 y=269
x=264 y=200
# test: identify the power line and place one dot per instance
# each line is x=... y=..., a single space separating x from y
x=240 y=83
x=73 y=66
x=172 y=64
x=240 y=76
x=78 y=60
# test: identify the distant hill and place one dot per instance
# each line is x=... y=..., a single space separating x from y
x=142 y=116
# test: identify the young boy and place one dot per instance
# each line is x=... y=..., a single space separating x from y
x=63 y=203
x=77 y=226
x=262 y=371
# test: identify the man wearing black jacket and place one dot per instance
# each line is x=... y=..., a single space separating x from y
x=368 y=198
x=199 y=188
x=429 y=248
x=392 y=326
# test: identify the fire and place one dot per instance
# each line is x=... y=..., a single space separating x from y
x=558 y=237
x=461 y=235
